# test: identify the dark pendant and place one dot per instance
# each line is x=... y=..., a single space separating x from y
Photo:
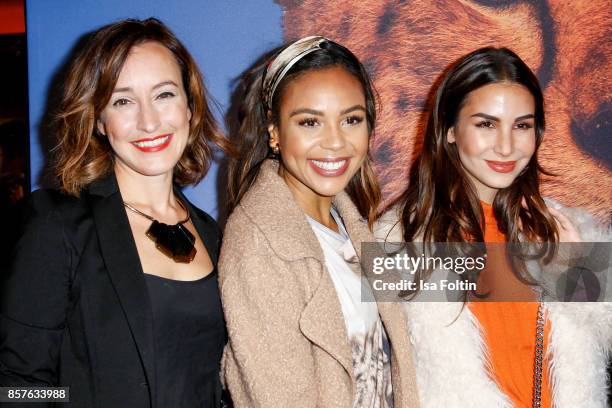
x=175 y=241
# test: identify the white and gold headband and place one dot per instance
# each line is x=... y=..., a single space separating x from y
x=282 y=63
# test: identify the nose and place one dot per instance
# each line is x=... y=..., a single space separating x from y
x=504 y=144
x=333 y=138
x=148 y=118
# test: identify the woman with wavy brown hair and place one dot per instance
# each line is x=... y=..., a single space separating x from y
x=112 y=289
x=303 y=192
x=477 y=180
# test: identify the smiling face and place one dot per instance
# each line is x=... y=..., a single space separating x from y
x=322 y=133
x=495 y=136
x=147 y=117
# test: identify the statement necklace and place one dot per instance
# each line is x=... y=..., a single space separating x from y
x=174 y=241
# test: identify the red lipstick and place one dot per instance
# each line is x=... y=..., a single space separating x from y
x=333 y=167
x=153 y=144
x=501 y=166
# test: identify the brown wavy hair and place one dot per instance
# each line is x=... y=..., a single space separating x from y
x=82 y=154
x=441 y=203
x=250 y=137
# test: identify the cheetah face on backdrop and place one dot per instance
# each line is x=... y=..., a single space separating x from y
x=407 y=44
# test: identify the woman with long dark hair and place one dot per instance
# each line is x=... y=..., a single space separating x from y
x=302 y=193
x=112 y=290
x=477 y=180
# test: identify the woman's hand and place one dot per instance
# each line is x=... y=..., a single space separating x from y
x=567 y=230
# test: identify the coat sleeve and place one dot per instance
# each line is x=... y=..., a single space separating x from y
x=268 y=363
x=35 y=297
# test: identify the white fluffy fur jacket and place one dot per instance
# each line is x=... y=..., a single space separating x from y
x=451 y=357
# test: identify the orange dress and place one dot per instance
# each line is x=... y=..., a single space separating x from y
x=510 y=332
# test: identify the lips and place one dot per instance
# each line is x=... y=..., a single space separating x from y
x=501 y=166
x=330 y=167
x=155 y=144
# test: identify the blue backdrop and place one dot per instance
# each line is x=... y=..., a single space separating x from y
x=224 y=37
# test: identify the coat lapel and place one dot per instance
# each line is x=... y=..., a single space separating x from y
x=271 y=206
x=322 y=322
x=124 y=268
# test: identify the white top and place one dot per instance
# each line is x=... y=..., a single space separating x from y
x=370 y=347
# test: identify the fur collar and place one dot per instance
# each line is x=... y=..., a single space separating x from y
x=451 y=356
x=452 y=361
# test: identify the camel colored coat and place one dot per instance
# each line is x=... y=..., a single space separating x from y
x=288 y=345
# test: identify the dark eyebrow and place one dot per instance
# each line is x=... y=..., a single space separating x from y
x=125 y=89
x=352 y=108
x=164 y=84
x=485 y=116
x=528 y=116
x=493 y=118
x=128 y=89
x=319 y=113
x=306 y=110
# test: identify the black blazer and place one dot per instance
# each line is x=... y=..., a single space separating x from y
x=74 y=306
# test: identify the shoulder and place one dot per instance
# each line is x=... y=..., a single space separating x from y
x=211 y=225
x=241 y=234
x=247 y=261
x=53 y=209
x=54 y=230
x=51 y=200
x=260 y=217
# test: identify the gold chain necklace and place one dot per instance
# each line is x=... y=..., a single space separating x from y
x=539 y=356
x=174 y=241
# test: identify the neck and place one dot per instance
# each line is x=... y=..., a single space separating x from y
x=148 y=193
x=315 y=206
x=487 y=196
x=320 y=212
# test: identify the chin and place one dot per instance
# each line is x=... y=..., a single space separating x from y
x=153 y=170
x=499 y=181
x=499 y=184
x=326 y=186
x=328 y=190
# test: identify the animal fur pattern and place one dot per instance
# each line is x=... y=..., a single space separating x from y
x=406 y=45
x=452 y=361
x=372 y=367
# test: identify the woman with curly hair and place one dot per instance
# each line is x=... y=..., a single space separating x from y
x=113 y=289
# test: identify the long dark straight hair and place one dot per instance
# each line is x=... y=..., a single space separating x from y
x=250 y=137
x=441 y=203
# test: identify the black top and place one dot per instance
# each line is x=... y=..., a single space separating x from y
x=189 y=335
x=75 y=308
